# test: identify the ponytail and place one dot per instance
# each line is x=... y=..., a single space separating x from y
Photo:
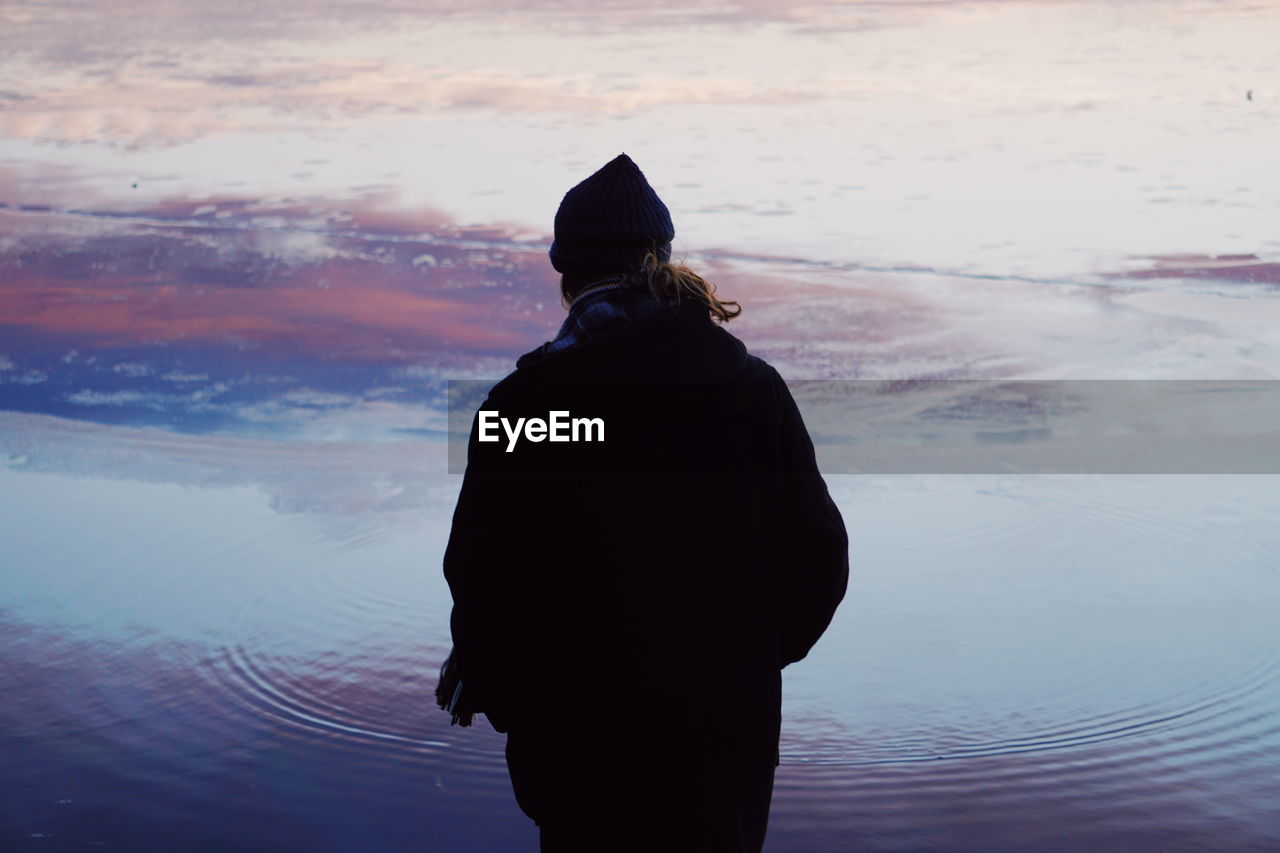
x=675 y=282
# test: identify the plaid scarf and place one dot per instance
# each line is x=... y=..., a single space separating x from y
x=600 y=309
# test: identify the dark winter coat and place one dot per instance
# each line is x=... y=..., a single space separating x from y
x=624 y=608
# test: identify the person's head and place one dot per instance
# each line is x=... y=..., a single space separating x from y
x=614 y=225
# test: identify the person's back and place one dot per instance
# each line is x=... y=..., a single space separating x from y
x=623 y=607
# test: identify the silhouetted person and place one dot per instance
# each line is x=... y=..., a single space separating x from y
x=623 y=608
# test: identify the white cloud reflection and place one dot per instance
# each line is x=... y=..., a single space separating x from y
x=138 y=107
x=1046 y=138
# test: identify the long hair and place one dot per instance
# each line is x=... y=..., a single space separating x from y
x=670 y=283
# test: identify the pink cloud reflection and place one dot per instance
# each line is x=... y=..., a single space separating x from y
x=357 y=280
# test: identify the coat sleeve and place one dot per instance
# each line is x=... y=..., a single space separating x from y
x=811 y=563
x=482 y=568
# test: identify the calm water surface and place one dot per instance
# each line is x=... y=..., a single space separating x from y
x=1023 y=663
x=241 y=255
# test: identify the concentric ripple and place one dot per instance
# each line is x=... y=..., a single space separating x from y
x=1076 y=652
x=342 y=653
x=1021 y=663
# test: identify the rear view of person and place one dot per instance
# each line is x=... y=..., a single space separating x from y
x=627 y=594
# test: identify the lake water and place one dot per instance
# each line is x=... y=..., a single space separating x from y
x=242 y=255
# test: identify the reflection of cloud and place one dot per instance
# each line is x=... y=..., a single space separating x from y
x=1244 y=268
x=57 y=33
x=133 y=369
x=234 y=313
x=322 y=317
x=293 y=246
x=318 y=399
x=147 y=110
x=323 y=467
x=110 y=398
x=198 y=400
x=348 y=316
x=333 y=279
x=298 y=413
x=189 y=74
x=354 y=420
x=31 y=377
x=131 y=124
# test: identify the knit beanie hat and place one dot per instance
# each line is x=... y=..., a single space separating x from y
x=610 y=221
